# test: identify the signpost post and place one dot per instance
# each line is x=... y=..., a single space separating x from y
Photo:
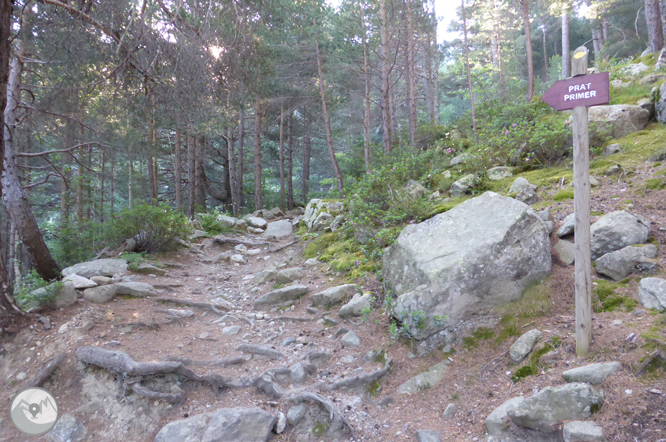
x=578 y=93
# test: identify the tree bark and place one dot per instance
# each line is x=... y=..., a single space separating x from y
x=528 y=49
x=469 y=71
x=112 y=196
x=282 y=196
x=596 y=44
x=14 y=197
x=566 y=45
x=233 y=180
x=258 y=196
x=307 y=152
x=241 y=142
x=150 y=136
x=290 y=160
x=199 y=174
x=101 y=187
x=384 y=52
x=654 y=25
x=545 y=54
x=411 y=76
x=178 y=170
x=191 y=181
x=498 y=37
x=130 y=182
x=327 y=120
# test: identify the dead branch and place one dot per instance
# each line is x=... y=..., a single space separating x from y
x=45 y=372
x=283 y=247
x=658 y=354
x=69 y=149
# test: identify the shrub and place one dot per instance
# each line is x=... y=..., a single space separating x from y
x=79 y=242
x=153 y=227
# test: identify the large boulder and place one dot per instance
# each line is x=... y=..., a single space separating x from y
x=617 y=120
x=320 y=214
x=501 y=429
x=499 y=172
x=660 y=104
x=99 y=267
x=652 y=293
x=621 y=263
x=256 y=222
x=80 y=282
x=100 y=294
x=334 y=295
x=229 y=222
x=56 y=296
x=224 y=425
x=278 y=229
x=617 y=230
x=545 y=409
x=466 y=261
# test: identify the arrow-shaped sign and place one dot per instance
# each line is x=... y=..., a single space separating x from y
x=584 y=90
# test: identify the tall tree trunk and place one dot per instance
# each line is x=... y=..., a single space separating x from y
x=367 y=140
x=327 y=120
x=241 y=170
x=199 y=174
x=233 y=179
x=566 y=45
x=112 y=195
x=545 y=54
x=79 y=190
x=498 y=36
x=662 y=55
x=178 y=171
x=435 y=70
x=307 y=152
x=101 y=187
x=13 y=196
x=258 y=195
x=411 y=76
x=384 y=52
x=528 y=49
x=282 y=198
x=89 y=181
x=596 y=44
x=290 y=160
x=153 y=166
x=654 y=25
x=469 y=70
x=191 y=181
x=430 y=96
x=151 y=169
x=6 y=301
x=130 y=182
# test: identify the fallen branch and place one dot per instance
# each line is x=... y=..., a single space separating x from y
x=658 y=354
x=337 y=419
x=45 y=372
x=283 y=247
x=292 y=319
x=358 y=381
x=171 y=398
x=217 y=308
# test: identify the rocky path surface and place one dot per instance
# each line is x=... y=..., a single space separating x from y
x=244 y=322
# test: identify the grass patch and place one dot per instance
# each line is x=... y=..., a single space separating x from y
x=608 y=300
x=534 y=365
x=536 y=301
x=655 y=184
x=480 y=334
x=631 y=94
x=134 y=259
x=563 y=195
x=320 y=429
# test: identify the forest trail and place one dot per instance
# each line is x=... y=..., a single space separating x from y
x=209 y=343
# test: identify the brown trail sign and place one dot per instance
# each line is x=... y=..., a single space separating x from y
x=577 y=93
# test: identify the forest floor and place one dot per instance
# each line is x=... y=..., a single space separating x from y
x=477 y=381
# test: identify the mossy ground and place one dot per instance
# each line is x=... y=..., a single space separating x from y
x=608 y=300
x=536 y=301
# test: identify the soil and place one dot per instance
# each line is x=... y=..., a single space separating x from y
x=477 y=381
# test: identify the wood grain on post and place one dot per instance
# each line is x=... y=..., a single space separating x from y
x=583 y=269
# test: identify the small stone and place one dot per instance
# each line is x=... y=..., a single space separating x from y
x=21 y=376
x=347 y=359
x=614 y=170
x=312 y=262
x=628 y=392
x=296 y=414
x=181 y=313
x=428 y=436
x=240 y=249
x=204 y=335
x=88 y=325
x=580 y=431
x=388 y=400
x=63 y=329
x=565 y=251
x=524 y=345
x=616 y=322
x=592 y=373
x=288 y=341
x=350 y=340
x=281 y=423
x=231 y=330
x=238 y=259
x=450 y=410
x=68 y=429
x=253 y=252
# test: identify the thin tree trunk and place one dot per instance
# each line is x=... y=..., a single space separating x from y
x=384 y=51
x=545 y=55
x=327 y=120
x=191 y=181
x=282 y=197
x=241 y=170
x=199 y=174
x=130 y=182
x=496 y=30
x=231 y=161
x=154 y=167
x=178 y=171
x=469 y=71
x=528 y=49
x=596 y=43
x=411 y=76
x=654 y=25
x=89 y=181
x=367 y=140
x=79 y=190
x=101 y=189
x=151 y=144
x=307 y=152
x=566 y=45
x=290 y=160
x=112 y=195
x=14 y=197
x=258 y=196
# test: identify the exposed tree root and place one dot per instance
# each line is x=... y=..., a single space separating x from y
x=358 y=381
x=283 y=247
x=292 y=319
x=214 y=363
x=259 y=350
x=171 y=398
x=236 y=241
x=215 y=308
x=338 y=421
x=45 y=372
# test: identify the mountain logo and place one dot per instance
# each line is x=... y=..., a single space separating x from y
x=34 y=411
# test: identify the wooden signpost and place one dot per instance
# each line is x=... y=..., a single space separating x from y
x=578 y=93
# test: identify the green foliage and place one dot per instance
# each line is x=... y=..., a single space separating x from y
x=134 y=259
x=536 y=301
x=27 y=294
x=153 y=227
x=532 y=369
x=655 y=184
x=563 y=195
x=480 y=334
x=79 y=243
x=209 y=222
x=320 y=429
x=608 y=300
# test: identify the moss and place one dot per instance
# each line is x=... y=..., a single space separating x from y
x=507 y=319
x=483 y=333
x=374 y=388
x=532 y=368
x=320 y=429
x=610 y=301
x=536 y=301
x=507 y=332
x=524 y=372
x=322 y=242
x=596 y=213
x=444 y=207
x=470 y=342
x=631 y=94
x=563 y=195
x=655 y=184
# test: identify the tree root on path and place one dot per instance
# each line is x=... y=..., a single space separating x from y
x=215 y=308
x=45 y=372
x=338 y=421
x=282 y=247
x=175 y=399
x=259 y=350
x=225 y=362
x=236 y=241
x=358 y=381
x=233 y=318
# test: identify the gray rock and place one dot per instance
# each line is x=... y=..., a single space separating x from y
x=652 y=293
x=229 y=222
x=312 y=262
x=499 y=172
x=661 y=104
x=616 y=121
x=568 y=226
x=502 y=429
x=458 y=264
x=617 y=230
x=297 y=373
x=137 y=289
x=594 y=182
x=527 y=196
x=237 y=258
x=67 y=429
x=593 y=373
x=265 y=276
x=550 y=225
x=319 y=214
x=633 y=70
x=281 y=423
x=428 y=436
x=231 y=330
x=566 y=251
x=613 y=149
x=223 y=257
x=649 y=106
x=415 y=189
x=278 y=229
x=544 y=214
x=256 y=222
x=289 y=275
x=101 y=280
x=350 y=340
x=80 y=282
x=464 y=185
x=296 y=414
x=519 y=184
x=356 y=306
x=181 y=313
x=460 y=159
x=224 y=425
x=288 y=341
x=101 y=294
x=582 y=431
x=334 y=295
x=621 y=263
x=450 y=411
x=100 y=267
x=614 y=170
x=198 y=234
x=552 y=405
x=283 y=297
x=651 y=79
x=524 y=345
x=426 y=380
